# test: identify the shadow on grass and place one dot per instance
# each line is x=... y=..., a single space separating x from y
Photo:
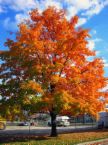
x=89 y=130
x=21 y=138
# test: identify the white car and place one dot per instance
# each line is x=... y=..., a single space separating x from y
x=61 y=121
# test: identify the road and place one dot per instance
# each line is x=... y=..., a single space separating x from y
x=18 y=130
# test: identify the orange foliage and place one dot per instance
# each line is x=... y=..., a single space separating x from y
x=50 y=54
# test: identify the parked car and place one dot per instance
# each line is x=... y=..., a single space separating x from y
x=23 y=124
x=61 y=121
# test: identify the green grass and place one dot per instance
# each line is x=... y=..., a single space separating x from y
x=62 y=139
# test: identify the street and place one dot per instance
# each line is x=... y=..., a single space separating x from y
x=18 y=130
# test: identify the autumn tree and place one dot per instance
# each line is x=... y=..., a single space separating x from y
x=47 y=68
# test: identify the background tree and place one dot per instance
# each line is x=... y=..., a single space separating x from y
x=46 y=68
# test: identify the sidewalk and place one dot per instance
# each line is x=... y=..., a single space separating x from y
x=98 y=142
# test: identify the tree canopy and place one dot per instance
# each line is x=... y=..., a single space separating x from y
x=47 y=67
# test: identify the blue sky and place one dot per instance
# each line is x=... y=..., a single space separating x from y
x=93 y=15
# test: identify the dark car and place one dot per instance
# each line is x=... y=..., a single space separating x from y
x=23 y=124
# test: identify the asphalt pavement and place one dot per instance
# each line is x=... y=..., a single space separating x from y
x=16 y=130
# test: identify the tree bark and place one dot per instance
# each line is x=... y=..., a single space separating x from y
x=53 y=123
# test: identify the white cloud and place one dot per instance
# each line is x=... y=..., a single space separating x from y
x=78 y=3
x=91 y=44
x=94 y=31
x=18 y=5
x=75 y=6
x=98 y=53
x=12 y=24
x=106 y=2
x=20 y=17
x=81 y=21
x=9 y=24
x=87 y=8
x=47 y=3
x=1 y=9
x=105 y=62
x=71 y=11
x=98 y=40
x=23 y=5
x=90 y=7
x=95 y=7
x=106 y=65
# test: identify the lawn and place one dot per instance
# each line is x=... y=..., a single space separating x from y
x=62 y=139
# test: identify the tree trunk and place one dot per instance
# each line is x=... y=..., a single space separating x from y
x=53 y=123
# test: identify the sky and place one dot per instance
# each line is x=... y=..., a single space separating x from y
x=93 y=14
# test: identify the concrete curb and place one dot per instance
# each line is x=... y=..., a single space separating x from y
x=98 y=142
